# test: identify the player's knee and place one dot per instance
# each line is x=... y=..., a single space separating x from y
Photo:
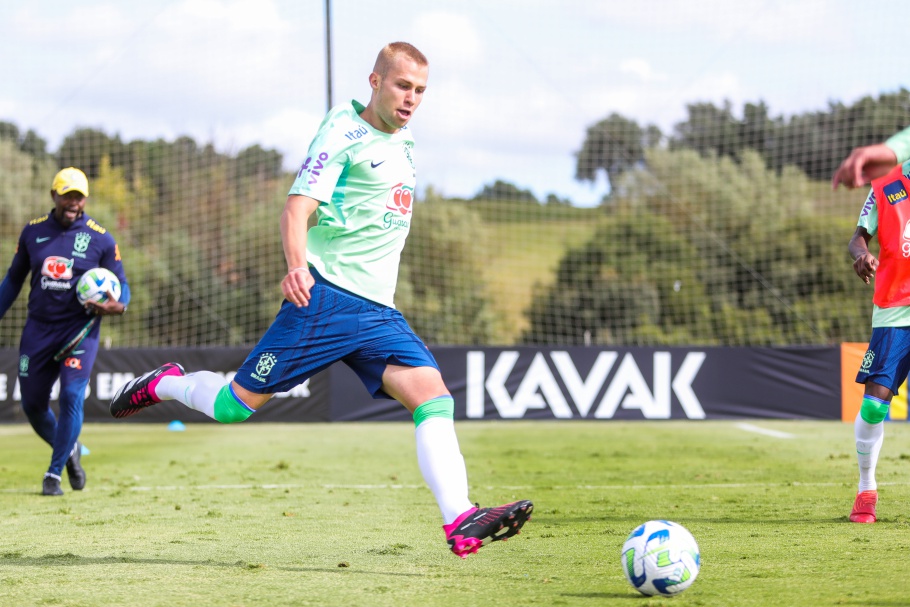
x=229 y=409
x=443 y=406
x=874 y=410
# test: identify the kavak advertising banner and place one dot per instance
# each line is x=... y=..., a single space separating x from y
x=516 y=383
x=620 y=383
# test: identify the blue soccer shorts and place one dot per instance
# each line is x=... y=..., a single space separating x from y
x=887 y=361
x=337 y=326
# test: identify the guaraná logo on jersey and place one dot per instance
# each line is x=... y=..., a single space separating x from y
x=57 y=268
x=895 y=192
x=401 y=198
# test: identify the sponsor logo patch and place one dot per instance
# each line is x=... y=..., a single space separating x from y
x=895 y=192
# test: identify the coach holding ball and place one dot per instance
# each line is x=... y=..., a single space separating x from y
x=60 y=337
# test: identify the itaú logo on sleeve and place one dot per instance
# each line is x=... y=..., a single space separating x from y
x=627 y=388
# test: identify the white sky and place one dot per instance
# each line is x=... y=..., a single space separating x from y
x=513 y=84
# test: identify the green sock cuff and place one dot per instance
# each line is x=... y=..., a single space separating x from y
x=444 y=406
x=873 y=410
x=228 y=408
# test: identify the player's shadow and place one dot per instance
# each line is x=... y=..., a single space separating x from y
x=603 y=595
x=74 y=560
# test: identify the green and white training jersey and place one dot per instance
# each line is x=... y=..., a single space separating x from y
x=364 y=181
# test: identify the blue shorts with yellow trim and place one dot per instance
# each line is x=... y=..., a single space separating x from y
x=887 y=361
x=337 y=326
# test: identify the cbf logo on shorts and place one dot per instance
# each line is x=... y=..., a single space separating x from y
x=265 y=365
x=895 y=192
x=867 y=361
x=23 y=365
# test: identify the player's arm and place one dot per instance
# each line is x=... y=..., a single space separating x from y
x=294 y=220
x=15 y=276
x=864 y=262
x=865 y=164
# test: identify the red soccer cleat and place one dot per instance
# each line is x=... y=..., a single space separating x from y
x=864 y=507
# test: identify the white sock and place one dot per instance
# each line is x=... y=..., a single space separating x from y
x=195 y=390
x=869 y=438
x=442 y=466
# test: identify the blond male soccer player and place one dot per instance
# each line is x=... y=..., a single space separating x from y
x=359 y=179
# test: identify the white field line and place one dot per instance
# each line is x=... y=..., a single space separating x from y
x=765 y=431
x=384 y=487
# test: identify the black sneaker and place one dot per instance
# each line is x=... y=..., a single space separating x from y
x=137 y=394
x=480 y=526
x=51 y=485
x=74 y=468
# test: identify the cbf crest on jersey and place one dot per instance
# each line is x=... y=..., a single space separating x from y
x=895 y=192
x=81 y=244
x=407 y=145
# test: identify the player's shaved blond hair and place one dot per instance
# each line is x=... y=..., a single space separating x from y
x=390 y=52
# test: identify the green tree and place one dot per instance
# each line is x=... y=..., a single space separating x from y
x=613 y=145
x=503 y=190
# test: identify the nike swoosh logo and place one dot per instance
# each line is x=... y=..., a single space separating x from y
x=376 y=164
x=42 y=239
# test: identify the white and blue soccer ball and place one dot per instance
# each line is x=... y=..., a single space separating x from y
x=95 y=284
x=660 y=558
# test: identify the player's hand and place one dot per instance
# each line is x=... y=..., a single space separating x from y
x=863 y=165
x=110 y=307
x=296 y=286
x=865 y=266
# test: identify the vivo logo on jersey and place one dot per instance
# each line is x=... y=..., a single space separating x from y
x=356 y=134
x=895 y=192
x=316 y=170
x=627 y=388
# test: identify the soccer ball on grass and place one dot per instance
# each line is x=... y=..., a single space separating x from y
x=95 y=284
x=660 y=557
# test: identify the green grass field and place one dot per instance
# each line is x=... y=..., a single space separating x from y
x=263 y=515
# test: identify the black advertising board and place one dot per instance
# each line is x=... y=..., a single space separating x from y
x=513 y=383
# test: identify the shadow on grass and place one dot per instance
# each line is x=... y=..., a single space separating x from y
x=73 y=560
x=604 y=595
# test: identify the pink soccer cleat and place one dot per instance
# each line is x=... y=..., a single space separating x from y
x=480 y=526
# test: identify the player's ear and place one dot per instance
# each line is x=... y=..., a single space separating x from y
x=375 y=81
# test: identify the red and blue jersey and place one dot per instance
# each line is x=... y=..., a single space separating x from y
x=56 y=256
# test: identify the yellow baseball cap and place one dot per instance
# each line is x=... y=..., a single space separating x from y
x=70 y=179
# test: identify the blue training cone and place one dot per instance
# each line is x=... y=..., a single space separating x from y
x=176 y=426
x=84 y=450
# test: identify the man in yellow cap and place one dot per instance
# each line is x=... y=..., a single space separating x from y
x=60 y=337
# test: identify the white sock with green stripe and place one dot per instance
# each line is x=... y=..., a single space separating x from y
x=439 y=457
x=869 y=429
x=207 y=393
